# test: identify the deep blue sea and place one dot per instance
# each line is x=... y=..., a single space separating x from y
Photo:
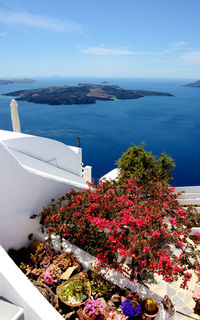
x=107 y=129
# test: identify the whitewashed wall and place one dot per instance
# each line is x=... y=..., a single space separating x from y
x=23 y=192
x=53 y=152
x=15 y=287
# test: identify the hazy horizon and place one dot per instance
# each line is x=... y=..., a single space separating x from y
x=53 y=77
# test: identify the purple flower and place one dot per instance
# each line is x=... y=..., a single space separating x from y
x=129 y=310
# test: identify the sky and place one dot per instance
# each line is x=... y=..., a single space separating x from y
x=100 y=38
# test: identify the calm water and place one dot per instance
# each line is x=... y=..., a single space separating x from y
x=107 y=129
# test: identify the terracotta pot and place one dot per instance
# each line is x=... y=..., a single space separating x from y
x=197 y=307
x=59 y=289
x=87 y=317
x=151 y=315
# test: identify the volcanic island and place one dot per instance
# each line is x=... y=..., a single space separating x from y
x=195 y=84
x=13 y=81
x=80 y=94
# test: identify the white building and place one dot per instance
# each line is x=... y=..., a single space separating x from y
x=33 y=170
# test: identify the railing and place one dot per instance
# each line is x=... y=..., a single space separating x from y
x=191 y=196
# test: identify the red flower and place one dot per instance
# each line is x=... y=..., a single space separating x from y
x=128 y=220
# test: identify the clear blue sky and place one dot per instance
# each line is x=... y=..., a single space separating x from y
x=100 y=38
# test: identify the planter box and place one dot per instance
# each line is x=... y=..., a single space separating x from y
x=116 y=277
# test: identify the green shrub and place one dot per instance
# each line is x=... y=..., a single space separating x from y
x=140 y=164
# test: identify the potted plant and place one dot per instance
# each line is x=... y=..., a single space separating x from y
x=92 y=309
x=51 y=275
x=151 y=308
x=131 y=308
x=75 y=291
x=196 y=297
x=197 y=307
x=116 y=315
x=37 y=251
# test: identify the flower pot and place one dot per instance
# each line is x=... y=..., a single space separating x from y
x=150 y=308
x=152 y=316
x=53 y=273
x=197 y=308
x=64 y=284
x=86 y=317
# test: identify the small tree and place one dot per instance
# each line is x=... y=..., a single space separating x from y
x=138 y=163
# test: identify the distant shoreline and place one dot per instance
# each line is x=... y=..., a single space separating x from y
x=80 y=94
x=195 y=84
x=13 y=81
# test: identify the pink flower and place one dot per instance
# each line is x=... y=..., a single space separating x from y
x=93 y=307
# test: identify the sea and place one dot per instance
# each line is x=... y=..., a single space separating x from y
x=108 y=128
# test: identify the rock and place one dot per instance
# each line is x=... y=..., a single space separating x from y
x=68 y=315
x=84 y=297
x=168 y=305
x=127 y=291
x=111 y=304
x=115 y=298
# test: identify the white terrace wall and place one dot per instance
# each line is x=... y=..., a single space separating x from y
x=50 y=151
x=23 y=192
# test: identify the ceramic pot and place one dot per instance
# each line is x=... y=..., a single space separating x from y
x=152 y=316
x=87 y=317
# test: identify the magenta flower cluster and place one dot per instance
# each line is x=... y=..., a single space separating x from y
x=51 y=275
x=93 y=307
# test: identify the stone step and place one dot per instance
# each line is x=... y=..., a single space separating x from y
x=189 y=196
x=192 y=189
x=187 y=202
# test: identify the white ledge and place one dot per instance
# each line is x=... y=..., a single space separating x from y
x=16 y=287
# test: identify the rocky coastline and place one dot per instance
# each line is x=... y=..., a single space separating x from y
x=13 y=81
x=195 y=84
x=80 y=94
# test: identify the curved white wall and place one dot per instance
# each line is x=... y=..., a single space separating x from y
x=53 y=152
x=23 y=192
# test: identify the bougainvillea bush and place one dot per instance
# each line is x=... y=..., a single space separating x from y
x=128 y=220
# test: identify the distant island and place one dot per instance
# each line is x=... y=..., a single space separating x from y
x=80 y=94
x=16 y=81
x=195 y=84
